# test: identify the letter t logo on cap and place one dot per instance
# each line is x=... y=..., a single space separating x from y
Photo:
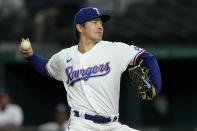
x=96 y=10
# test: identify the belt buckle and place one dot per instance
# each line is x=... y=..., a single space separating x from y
x=100 y=119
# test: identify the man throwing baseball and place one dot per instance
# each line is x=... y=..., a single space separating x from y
x=91 y=72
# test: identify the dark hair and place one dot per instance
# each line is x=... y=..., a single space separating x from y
x=77 y=32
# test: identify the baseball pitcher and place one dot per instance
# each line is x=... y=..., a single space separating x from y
x=91 y=72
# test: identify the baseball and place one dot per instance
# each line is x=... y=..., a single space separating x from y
x=25 y=45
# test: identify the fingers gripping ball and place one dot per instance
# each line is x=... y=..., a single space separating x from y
x=141 y=80
x=25 y=44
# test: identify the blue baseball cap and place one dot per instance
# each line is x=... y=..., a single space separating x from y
x=88 y=13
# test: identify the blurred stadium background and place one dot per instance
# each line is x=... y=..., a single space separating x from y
x=166 y=28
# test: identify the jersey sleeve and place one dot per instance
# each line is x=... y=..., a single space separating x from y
x=38 y=63
x=53 y=67
x=128 y=54
x=151 y=63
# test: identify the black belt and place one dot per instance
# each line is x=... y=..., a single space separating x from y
x=96 y=118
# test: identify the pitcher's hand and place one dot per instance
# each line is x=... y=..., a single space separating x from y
x=28 y=52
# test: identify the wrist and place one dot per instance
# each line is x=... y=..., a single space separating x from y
x=30 y=58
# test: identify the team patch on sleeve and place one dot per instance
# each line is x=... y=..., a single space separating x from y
x=139 y=52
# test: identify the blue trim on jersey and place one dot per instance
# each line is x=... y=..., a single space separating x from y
x=150 y=62
x=38 y=63
x=138 y=55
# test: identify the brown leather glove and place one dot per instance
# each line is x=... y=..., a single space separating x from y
x=141 y=80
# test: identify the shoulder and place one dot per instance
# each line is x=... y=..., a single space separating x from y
x=117 y=45
x=14 y=107
x=112 y=44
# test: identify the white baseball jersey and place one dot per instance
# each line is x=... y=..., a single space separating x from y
x=12 y=114
x=92 y=79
